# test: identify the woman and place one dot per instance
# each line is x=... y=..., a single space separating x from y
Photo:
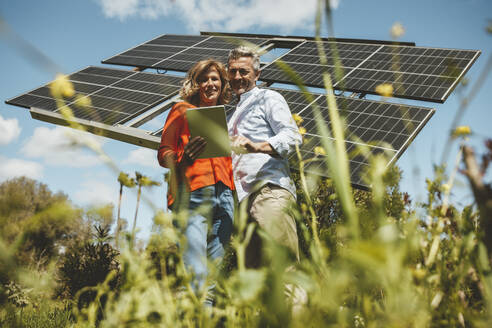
x=196 y=182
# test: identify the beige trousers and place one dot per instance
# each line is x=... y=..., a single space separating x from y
x=268 y=207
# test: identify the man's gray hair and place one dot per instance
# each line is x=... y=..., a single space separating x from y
x=243 y=51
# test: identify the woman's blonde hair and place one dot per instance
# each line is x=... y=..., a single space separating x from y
x=191 y=87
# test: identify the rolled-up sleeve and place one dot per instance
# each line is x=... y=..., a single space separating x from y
x=283 y=125
x=171 y=144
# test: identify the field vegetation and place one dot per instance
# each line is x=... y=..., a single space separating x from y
x=369 y=258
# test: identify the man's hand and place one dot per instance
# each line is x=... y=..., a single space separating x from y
x=242 y=145
x=193 y=149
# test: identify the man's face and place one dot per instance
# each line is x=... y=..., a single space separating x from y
x=242 y=75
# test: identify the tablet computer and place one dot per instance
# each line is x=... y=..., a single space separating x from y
x=210 y=124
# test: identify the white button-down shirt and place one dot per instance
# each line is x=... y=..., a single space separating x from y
x=263 y=115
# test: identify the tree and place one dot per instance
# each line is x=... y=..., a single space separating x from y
x=39 y=219
x=41 y=222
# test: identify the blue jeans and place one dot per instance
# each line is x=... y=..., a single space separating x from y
x=202 y=242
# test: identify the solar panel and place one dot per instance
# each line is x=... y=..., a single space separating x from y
x=382 y=127
x=180 y=52
x=420 y=73
x=116 y=96
x=128 y=97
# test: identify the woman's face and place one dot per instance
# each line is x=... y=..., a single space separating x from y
x=210 y=87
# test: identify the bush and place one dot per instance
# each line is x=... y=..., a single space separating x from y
x=88 y=265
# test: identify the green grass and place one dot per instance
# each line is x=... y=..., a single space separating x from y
x=45 y=316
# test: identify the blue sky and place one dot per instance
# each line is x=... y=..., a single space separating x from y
x=75 y=34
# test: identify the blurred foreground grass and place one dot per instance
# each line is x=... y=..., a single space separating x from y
x=369 y=259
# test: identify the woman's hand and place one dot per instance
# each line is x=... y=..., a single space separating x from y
x=193 y=149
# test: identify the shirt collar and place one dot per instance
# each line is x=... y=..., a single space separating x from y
x=248 y=94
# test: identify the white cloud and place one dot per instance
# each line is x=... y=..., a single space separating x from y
x=144 y=157
x=62 y=146
x=95 y=192
x=13 y=167
x=9 y=130
x=220 y=15
x=119 y=8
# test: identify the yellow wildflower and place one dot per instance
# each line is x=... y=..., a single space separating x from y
x=419 y=274
x=302 y=130
x=83 y=101
x=62 y=87
x=461 y=131
x=66 y=112
x=318 y=150
x=385 y=89
x=298 y=119
x=397 y=30
x=163 y=219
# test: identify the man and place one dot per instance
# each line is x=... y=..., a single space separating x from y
x=264 y=134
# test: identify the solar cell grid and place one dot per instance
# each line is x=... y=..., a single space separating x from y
x=160 y=55
x=366 y=66
x=116 y=96
x=189 y=59
x=131 y=96
x=433 y=62
x=30 y=100
x=158 y=78
x=310 y=74
x=97 y=114
x=378 y=125
x=116 y=105
x=43 y=92
x=132 y=61
x=147 y=87
x=203 y=52
x=85 y=88
x=93 y=79
x=228 y=43
x=177 y=40
x=157 y=49
x=116 y=73
x=180 y=53
x=176 y=65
